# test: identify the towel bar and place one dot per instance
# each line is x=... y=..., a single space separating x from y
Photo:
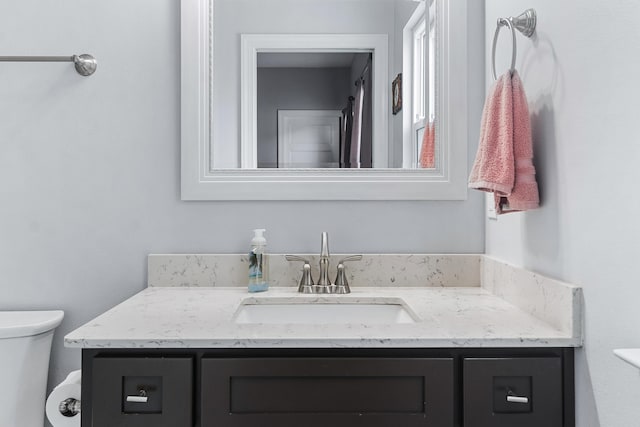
x=525 y=23
x=85 y=64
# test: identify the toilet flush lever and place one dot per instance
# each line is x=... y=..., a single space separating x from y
x=141 y=398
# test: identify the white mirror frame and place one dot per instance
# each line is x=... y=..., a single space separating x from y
x=201 y=182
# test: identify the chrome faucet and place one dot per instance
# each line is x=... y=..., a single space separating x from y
x=324 y=285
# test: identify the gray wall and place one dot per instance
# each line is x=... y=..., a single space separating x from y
x=295 y=89
x=90 y=176
x=580 y=75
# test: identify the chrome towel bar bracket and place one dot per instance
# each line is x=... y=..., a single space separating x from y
x=525 y=23
x=85 y=64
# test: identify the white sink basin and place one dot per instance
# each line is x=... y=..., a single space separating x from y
x=324 y=312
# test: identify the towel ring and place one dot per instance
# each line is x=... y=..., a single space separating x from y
x=502 y=22
x=525 y=23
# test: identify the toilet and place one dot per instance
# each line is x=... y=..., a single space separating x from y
x=25 y=346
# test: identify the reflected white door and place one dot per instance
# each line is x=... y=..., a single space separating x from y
x=308 y=138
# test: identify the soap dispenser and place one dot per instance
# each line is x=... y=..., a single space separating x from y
x=258 y=269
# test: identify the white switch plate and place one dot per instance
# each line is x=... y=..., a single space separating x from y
x=491 y=207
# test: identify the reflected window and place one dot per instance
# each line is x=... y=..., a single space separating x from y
x=424 y=89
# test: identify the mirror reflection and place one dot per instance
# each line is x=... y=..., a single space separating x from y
x=314 y=110
x=326 y=107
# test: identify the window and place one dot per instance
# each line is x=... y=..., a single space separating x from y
x=419 y=71
x=424 y=84
x=431 y=72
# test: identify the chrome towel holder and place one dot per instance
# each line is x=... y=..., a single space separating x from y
x=85 y=64
x=525 y=23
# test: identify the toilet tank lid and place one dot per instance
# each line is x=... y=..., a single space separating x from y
x=15 y=324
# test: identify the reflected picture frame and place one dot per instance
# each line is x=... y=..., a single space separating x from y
x=396 y=94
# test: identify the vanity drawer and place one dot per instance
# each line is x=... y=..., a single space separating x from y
x=320 y=392
x=142 y=392
x=507 y=392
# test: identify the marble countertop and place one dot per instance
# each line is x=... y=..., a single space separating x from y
x=204 y=318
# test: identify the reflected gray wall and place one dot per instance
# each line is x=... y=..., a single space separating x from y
x=236 y=17
x=295 y=89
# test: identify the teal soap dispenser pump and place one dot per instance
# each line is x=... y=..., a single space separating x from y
x=258 y=268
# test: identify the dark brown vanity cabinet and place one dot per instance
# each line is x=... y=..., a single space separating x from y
x=328 y=388
x=139 y=392
x=507 y=392
x=319 y=392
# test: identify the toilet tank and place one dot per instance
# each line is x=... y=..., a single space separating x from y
x=25 y=346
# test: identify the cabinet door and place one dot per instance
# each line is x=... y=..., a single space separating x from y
x=507 y=392
x=142 y=392
x=321 y=392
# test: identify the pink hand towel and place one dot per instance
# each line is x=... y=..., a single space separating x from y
x=504 y=161
x=428 y=150
x=493 y=169
x=524 y=195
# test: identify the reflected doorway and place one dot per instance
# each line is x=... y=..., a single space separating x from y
x=314 y=109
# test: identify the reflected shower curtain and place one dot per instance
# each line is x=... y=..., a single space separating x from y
x=356 y=133
x=357 y=119
x=345 y=134
x=366 y=140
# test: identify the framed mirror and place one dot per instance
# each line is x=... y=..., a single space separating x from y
x=323 y=100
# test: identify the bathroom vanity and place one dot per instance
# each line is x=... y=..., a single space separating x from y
x=473 y=356
x=528 y=387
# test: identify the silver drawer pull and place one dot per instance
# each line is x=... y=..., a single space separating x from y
x=140 y=398
x=517 y=399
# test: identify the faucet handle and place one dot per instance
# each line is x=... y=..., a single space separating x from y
x=350 y=258
x=306 y=281
x=296 y=258
x=341 y=283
